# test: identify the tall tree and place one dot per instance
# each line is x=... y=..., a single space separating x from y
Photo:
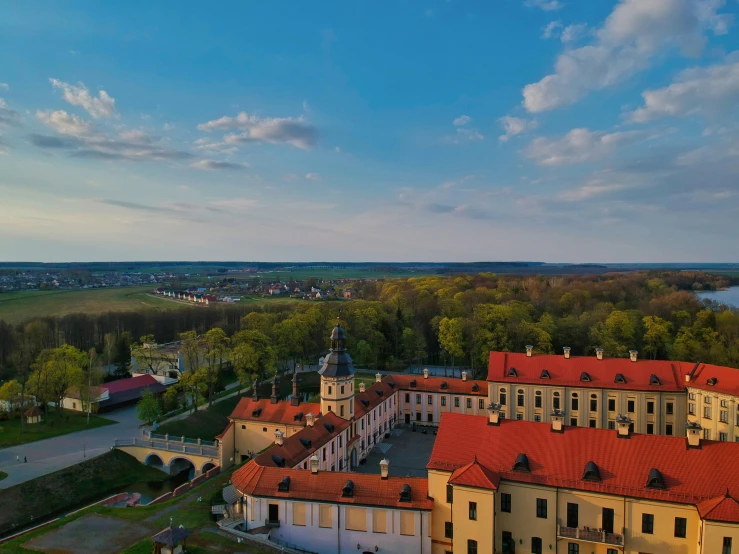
x=656 y=337
x=215 y=352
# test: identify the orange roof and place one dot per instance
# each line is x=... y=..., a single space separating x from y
x=475 y=475
x=297 y=447
x=374 y=395
x=449 y=385
x=327 y=486
x=721 y=508
x=725 y=379
x=282 y=412
x=690 y=475
x=512 y=367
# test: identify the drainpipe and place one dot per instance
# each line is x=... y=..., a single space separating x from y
x=338 y=528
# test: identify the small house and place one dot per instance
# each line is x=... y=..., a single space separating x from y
x=170 y=541
x=33 y=415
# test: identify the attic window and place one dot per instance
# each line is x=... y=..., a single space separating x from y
x=585 y=377
x=391 y=384
x=279 y=461
x=712 y=381
x=379 y=392
x=444 y=385
x=365 y=402
x=512 y=372
x=298 y=416
x=329 y=427
x=522 y=464
x=257 y=412
x=620 y=379
x=348 y=490
x=591 y=473
x=545 y=374
x=405 y=493
x=654 y=380
x=475 y=387
x=284 y=485
x=413 y=383
x=655 y=480
x=306 y=443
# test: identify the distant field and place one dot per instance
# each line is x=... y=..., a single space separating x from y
x=302 y=274
x=19 y=306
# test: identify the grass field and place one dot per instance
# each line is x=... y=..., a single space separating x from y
x=19 y=306
x=3 y=475
x=51 y=427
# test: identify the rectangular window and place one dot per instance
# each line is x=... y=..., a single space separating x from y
x=691 y=408
x=449 y=494
x=418 y=399
x=573 y=421
x=541 y=508
x=668 y=429
x=456 y=401
x=575 y=404
x=573 y=548
x=706 y=399
x=430 y=399
x=611 y=551
x=647 y=524
x=502 y=398
x=727 y=546
x=572 y=515
x=691 y=396
x=469 y=403
x=481 y=404
x=448 y=530
x=630 y=406
x=342 y=389
x=505 y=502
x=408 y=397
x=299 y=513
x=379 y=521
x=519 y=417
x=611 y=404
x=707 y=412
x=669 y=408
x=607 y=517
x=723 y=437
x=325 y=518
x=723 y=416
x=724 y=403
x=681 y=527
x=650 y=428
x=537 y=418
x=537 y=401
x=443 y=400
x=473 y=510
x=536 y=545
x=555 y=402
x=407 y=523
x=356 y=519
x=471 y=546
x=650 y=407
x=520 y=400
x=593 y=405
x=593 y=424
x=611 y=425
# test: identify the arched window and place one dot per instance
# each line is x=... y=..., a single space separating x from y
x=555 y=401
x=520 y=399
x=537 y=399
x=502 y=397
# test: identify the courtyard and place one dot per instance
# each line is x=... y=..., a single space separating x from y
x=408 y=452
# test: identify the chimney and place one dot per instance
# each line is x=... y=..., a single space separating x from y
x=464 y=376
x=599 y=353
x=378 y=377
x=623 y=425
x=687 y=377
x=633 y=355
x=558 y=421
x=384 y=467
x=255 y=391
x=314 y=462
x=567 y=352
x=425 y=373
x=361 y=387
x=279 y=438
x=529 y=350
x=310 y=419
x=295 y=398
x=494 y=414
x=273 y=398
x=693 y=430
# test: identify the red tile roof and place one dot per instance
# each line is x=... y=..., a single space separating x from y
x=282 y=412
x=726 y=378
x=721 y=508
x=691 y=475
x=371 y=396
x=327 y=486
x=602 y=373
x=475 y=475
x=434 y=384
x=293 y=451
x=115 y=387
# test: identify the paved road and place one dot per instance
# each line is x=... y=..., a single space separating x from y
x=50 y=455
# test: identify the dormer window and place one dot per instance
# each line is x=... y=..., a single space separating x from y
x=298 y=416
x=405 y=493
x=712 y=381
x=475 y=387
x=545 y=374
x=585 y=377
x=522 y=464
x=591 y=473
x=413 y=384
x=365 y=402
x=444 y=385
x=512 y=372
x=348 y=490
x=257 y=412
x=306 y=443
x=284 y=485
x=620 y=379
x=655 y=480
x=654 y=380
x=279 y=461
x=391 y=384
x=379 y=392
x=329 y=427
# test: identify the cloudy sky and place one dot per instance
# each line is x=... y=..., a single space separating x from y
x=439 y=130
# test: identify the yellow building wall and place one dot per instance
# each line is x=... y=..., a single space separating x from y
x=663 y=539
x=441 y=513
x=481 y=529
x=226 y=444
x=714 y=533
x=522 y=522
x=250 y=436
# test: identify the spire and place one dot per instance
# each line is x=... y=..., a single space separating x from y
x=255 y=392
x=295 y=399
x=273 y=398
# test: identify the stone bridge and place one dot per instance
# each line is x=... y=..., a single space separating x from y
x=173 y=454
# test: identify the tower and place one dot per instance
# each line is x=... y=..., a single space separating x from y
x=337 y=378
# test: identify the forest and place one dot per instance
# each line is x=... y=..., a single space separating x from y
x=396 y=323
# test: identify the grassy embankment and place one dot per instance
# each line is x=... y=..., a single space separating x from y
x=68 y=487
x=50 y=426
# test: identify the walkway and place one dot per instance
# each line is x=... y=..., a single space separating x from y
x=53 y=454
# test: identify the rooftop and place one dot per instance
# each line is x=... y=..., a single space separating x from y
x=249 y=409
x=723 y=380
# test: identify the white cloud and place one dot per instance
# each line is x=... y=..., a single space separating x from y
x=135 y=135
x=65 y=123
x=462 y=120
x=579 y=146
x=572 y=33
x=702 y=91
x=288 y=130
x=546 y=5
x=214 y=146
x=312 y=176
x=211 y=165
x=634 y=32
x=590 y=190
x=551 y=30
x=465 y=135
x=8 y=116
x=4 y=86
x=78 y=95
x=167 y=127
x=515 y=126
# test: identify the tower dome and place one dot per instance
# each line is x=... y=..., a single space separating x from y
x=337 y=377
x=338 y=362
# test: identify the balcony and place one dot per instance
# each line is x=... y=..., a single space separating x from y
x=590 y=535
x=271 y=523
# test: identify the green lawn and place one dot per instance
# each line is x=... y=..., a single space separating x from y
x=3 y=475
x=16 y=307
x=49 y=427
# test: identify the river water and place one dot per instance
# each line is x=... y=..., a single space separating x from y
x=729 y=296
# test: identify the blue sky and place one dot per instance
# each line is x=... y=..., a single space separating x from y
x=439 y=130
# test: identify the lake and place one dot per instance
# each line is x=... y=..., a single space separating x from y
x=728 y=296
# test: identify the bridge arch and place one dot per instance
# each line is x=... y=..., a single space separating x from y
x=179 y=464
x=155 y=460
x=207 y=466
